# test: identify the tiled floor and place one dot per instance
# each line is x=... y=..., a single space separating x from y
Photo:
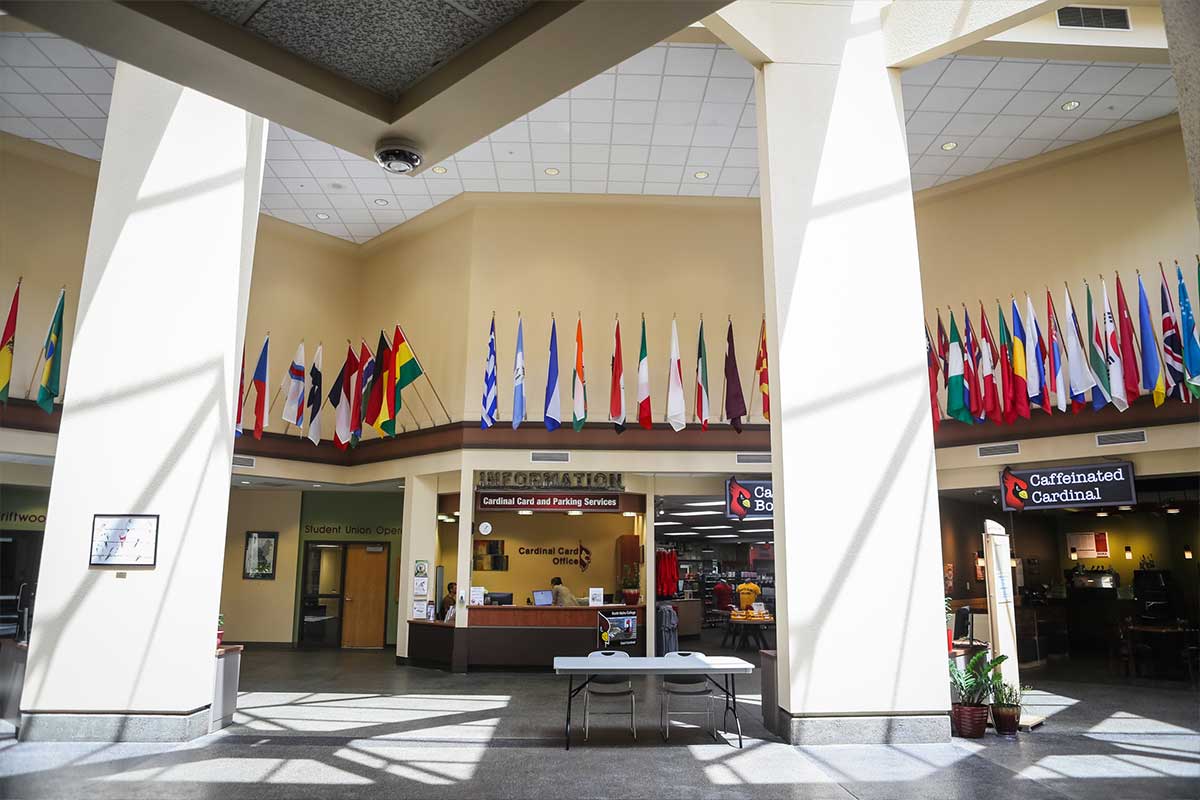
x=346 y=724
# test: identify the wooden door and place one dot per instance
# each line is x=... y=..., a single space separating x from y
x=364 y=595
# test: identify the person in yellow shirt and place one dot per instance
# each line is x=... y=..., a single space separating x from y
x=748 y=593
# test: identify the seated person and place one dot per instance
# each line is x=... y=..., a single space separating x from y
x=562 y=595
x=450 y=600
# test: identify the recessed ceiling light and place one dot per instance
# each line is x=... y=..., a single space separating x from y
x=706 y=503
x=628 y=513
x=379 y=201
x=948 y=146
x=440 y=170
x=1125 y=508
x=1172 y=510
x=574 y=513
x=525 y=513
x=1070 y=105
x=457 y=513
x=657 y=524
x=701 y=175
x=712 y=527
x=762 y=542
x=721 y=536
x=551 y=170
x=245 y=481
x=694 y=513
x=1101 y=513
x=680 y=533
x=321 y=215
x=316 y=486
x=758 y=530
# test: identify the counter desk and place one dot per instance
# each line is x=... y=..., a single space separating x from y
x=513 y=636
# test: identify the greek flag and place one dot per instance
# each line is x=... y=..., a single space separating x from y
x=488 y=415
x=518 y=414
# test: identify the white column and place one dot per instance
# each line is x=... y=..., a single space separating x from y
x=466 y=527
x=147 y=424
x=418 y=543
x=861 y=644
x=648 y=544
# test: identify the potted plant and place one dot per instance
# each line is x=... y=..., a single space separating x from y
x=630 y=584
x=949 y=626
x=220 y=629
x=1006 y=705
x=969 y=714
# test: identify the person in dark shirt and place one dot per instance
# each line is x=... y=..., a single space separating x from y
x=451 y=598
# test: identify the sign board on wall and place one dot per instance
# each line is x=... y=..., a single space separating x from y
x=531 y=479
x=1089 y=545
x=1073 y=486
x=128 y=540
x=610 y=502
x=746 y=499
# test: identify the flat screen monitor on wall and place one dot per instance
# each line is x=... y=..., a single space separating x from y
x=543 y=597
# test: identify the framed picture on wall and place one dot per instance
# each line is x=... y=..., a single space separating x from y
x=259 y=561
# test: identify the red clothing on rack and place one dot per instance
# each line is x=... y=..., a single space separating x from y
x=666 y=573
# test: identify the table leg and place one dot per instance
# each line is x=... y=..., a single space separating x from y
x=570 y=697
x=729 y=689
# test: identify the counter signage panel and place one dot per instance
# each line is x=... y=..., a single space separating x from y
x=1072 y=486
x=547 y=501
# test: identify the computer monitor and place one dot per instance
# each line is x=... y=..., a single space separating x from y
x=500 y=599
x=543 y=597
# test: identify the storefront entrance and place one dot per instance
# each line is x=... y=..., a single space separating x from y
x=344 y=594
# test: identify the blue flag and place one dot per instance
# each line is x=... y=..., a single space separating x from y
x=1191 y=347
x=488 y=414
x=552 y=415
x=518 y=415
x=1153 y=375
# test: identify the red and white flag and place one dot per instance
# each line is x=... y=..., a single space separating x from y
x=989 y=362
x=643 y=390
x=616 y=389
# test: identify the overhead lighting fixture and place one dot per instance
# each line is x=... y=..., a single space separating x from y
x=439 y=169
x=1173 y=510
x=316 y=486
x=712 y=527
x=1187 y=552
x=762 y=542
x=574 y=513
x=525 y=513
x=379 y=201
x=706 y=503
x=1128 y=553
x=979 y=558
x=701 y=175
x=948 y=146
x=1074 y=555
x=1101 y=513
x=1070 y=105
x=758 y=530
x=656 y=524
x=721 y=536
x=707 y=550
x=1125 y=508
x=457 y=513
x=695 y=513
x=680 y=533
x=628 y=513
x=321 y=215
x=551 y=171
x=245 y=482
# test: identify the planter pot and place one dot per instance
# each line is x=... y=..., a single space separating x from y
x=220 y=636
x=1006 y=719
x=968 y=722
x=949 y=640
x=631 y=596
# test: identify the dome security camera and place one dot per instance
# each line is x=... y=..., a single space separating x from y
x=397 y=155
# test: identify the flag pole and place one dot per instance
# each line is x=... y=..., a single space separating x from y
x=667 y=396
x=724 y=377
x=426 y=376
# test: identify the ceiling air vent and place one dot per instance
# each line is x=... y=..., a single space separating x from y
x=1002 y=449
x=550 y=457
x=754 y=458
x=244 y=461
x=1114 y=19
x=1121 y=437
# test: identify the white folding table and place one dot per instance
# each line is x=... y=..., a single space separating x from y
x=709 y=666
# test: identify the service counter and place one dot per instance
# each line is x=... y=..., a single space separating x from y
x=513 y=636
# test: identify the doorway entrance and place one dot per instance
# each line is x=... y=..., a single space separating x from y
x=344 y=594
x=20 y=558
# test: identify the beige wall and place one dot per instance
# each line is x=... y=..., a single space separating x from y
x=261 y=610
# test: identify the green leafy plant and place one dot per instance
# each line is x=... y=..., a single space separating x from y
x=220 y=620
x=629 y=577
x=975 y=684
x=1006 y=694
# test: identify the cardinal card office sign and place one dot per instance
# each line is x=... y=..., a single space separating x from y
x=747 y=499
x=1071 y=486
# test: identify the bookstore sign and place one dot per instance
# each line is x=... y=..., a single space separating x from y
x=1072 y=486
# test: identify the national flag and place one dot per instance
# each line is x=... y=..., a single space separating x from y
x=1097 y=355
x=405 y=367
x=643 y=388
x=989 y=364
x=1035 y=359
x=578 y=383
x=48 y=389
x=293 y=389
x=339 y=398
x=943 y=349
x=488 y=409
x=382 y=389
x=676 y=412
x=932 y=366
x=315 y=398
x=1007 y=380
x=241 y=397
x=7 y=344
x=362 y=385
x=1129 y=345
x=518 y=412
x=259 y=379
x=958 y=404
x=1020 y=365
x=552 y=413
x=1116 y=367
x=735 y=401
x=970 y=368
x=1055 y=374
x=1191 y=347
x=1080 y=376
x=616 y=385
x=760 y=371
x=1153 y=374
x=1172 y=344
x=703 y=410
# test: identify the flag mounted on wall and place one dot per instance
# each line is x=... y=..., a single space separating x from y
x=1153 y=374
x=643 y=386
x=241 y=396
x=735 y=401
x=488 y=409
x=1172 y=344
x=676 y=413
x=616 y=386
x=52 y=353
x=518 y=413
x=703 y=410
x=578 y=383
x=1191 y=346
x=932 y=368
x=552 y=413
x=382 y=390
x=339 y=398
x=362 y=384
x=7 y=344
x=293 y=388
x=260 y=388
x=315 y=398
x=1116 y=365
x=761 y=372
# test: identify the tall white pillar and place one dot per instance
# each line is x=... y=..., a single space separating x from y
x=466 y=529
x=862 y=649
x=418 y=543
x=648 y=545
x=147 y=424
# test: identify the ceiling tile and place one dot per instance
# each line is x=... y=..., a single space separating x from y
x=289 y=169
x=913 y=95
x=697 y=189
x=32 y=105
x=638 y=87
x=1024 y=148
x=1082 y=129
x=742 y=157
x=629 y=154
x=1010 y=75
x=707 y=156
x=19 y=126
x=65 y=53
x=18 y=51
x=563 y=171
x=1007 y=125
x=728 y=90
x=746 y=137
x=967 y=124
x=932 y=165
x=1142 y=81
x=551 y=152
x=1046 y=128
x=59 y=128
x=641 y=111
x=1113 y=106
x=480 y=151
x=713 y=136
x=273 y=186
x=601 y=87
x=965 y=74
x=689 y=60
x=1030 y=103
x=664 y=173
x=552 y=186
x=514 y=171
x=557 y=110
x=1085 y=101
x=920 y=182
x=278 y=201
x=660 y=188
x=647 y=62
x=101 y=100
x=631 y=134
x=588 y=111
x=728 y=64
x=944 y=99
x=624 y=187
x=473 y=171
x=588 y=187
x=1153 y=108
x=590 y=132
x=749 y=118
x=730 y=190
x=346 y=201
x=1098 y=80
x=312 y=201
x=627 y=172
x=677 y=88
x=926 y=74
x=511 y=151
x=961 y=144
x=48 y=80
x=480 y=185
x=377 y=186
x=988 y=101
x=1054 y=77
x=672 y=134
x=966 y=165
x=407 y=184
x=740 y=175
x=356 y=214
x=597 y=171
x=917 y=142
x=928 y=121
x=1168 y=89
x=677 y=113
x=328 y=169
x=550 y=131
x=589 y=153
x=987 y=146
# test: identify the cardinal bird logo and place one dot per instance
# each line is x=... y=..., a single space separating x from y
x=585 y=557
x=1016 y=490
x=739 y=499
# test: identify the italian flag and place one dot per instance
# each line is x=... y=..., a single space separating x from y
x=955 y=407
x=643 y=389
x=578 y=385
x=702 y=403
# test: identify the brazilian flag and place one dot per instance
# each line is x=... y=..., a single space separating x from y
x=52 y=353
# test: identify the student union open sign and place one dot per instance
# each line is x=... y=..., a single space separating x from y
x=1074 y=486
